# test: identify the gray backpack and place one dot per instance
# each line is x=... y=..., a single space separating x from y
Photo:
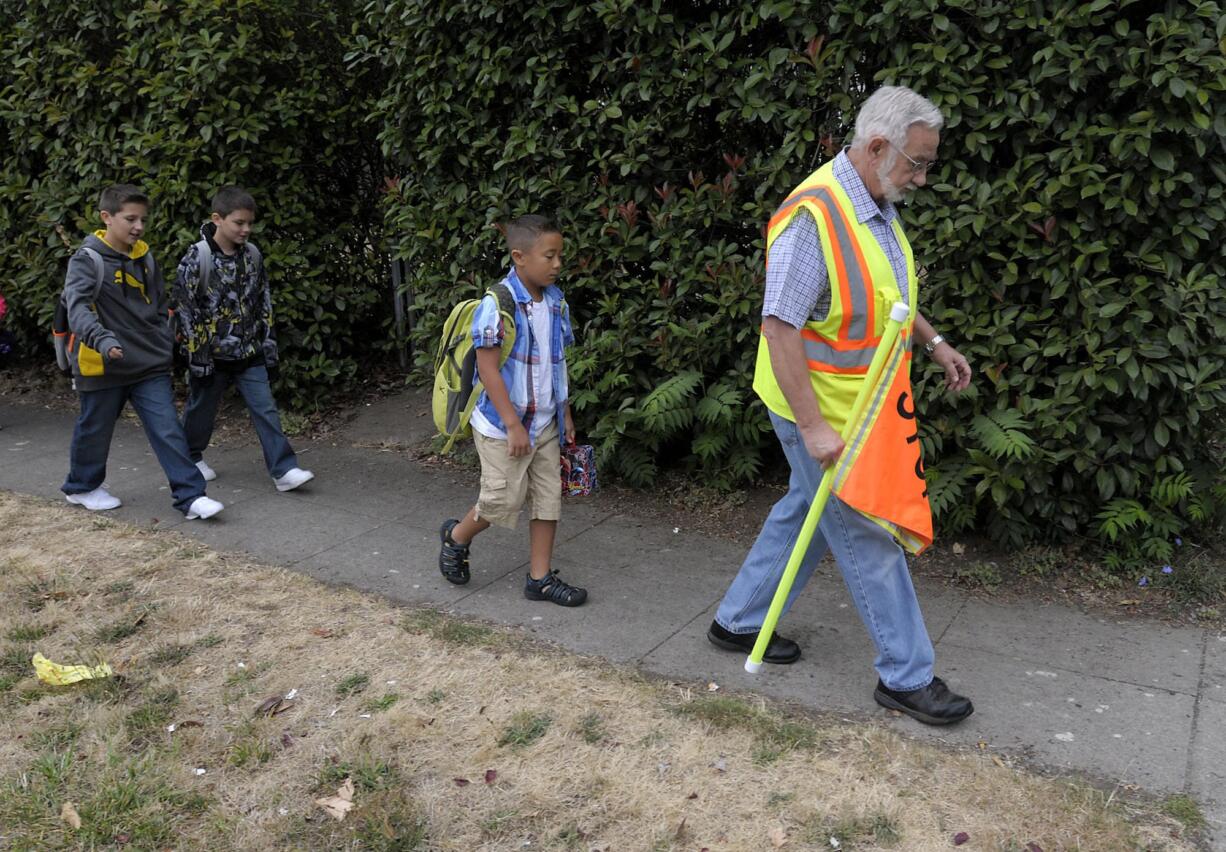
x=61 y=334
x=204 y=257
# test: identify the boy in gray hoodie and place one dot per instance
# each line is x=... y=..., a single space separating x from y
x=120 y=350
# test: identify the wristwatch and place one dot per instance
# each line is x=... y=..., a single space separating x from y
x=936 y=341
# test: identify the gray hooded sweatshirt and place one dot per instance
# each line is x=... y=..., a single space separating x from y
x=130 y=312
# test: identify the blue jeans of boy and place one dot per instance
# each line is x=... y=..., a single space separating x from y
x=873 y=565
x=154 y=403
x=201 y=413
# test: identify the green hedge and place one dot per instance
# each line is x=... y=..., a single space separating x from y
x=1072 y=235
x=179 y=98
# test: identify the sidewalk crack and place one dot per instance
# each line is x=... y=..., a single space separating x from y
x=1200 y=691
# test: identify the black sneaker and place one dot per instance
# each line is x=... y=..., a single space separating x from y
x=452 y=557
x=553 y=588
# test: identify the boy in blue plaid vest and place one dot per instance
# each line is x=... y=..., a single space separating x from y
x=523 y=414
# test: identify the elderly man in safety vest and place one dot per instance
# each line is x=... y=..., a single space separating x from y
x=837 y=259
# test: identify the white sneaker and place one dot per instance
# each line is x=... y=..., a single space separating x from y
x=98 y=500
x=207 y=472
x=203 y=507
x=293 y=477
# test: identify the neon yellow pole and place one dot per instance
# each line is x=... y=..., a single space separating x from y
x=898 y=315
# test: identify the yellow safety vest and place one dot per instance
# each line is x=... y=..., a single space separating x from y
x=881 y=473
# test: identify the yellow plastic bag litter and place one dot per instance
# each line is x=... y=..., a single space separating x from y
x=59 y=675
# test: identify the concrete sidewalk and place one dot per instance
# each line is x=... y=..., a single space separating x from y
x=1129 y=702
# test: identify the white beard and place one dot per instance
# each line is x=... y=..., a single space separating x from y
x=890 y=191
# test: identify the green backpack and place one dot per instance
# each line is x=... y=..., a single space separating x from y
x=457 y=386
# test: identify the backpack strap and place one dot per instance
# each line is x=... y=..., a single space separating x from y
x=100 y=269
x=507 y=307
x=257 y=259
x=506 y=299
x=204 y=265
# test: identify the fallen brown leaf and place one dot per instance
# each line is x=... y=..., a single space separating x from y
x=341 y=804
x=960 y=838
x=323 y=632
x=680 y=829
x=69 y=815
x=692 y=796
x=999 y=762
x=491 y=775
x=273 y=705
x=461 y=782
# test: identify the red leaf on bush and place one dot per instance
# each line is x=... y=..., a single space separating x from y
x=734 y=161
x=665 y=192
x=814 y=47
x=629 y=212
x=960 y=838
x=696 y=179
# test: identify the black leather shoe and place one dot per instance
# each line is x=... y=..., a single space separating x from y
x=780 y=651
x=933 y=704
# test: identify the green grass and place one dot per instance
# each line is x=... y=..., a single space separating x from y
x=1185 y=809
x=353 y=684
x=497 y=822
x=368 y=773
x=16 y=661
x=27 y=632
x=151 y=716
x=57 y=737
x=524 y=729
x=774 y=736
x=435 y=696
x=591 y=728
x=170 y=654
x=451 y=630
x=122 y=628
x=378 y=705
x=979 y=575
x=251 y=747
x=124 y=801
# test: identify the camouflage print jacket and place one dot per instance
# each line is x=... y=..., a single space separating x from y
x=229 y=318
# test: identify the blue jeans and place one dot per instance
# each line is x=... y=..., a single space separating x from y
x=154 y=403
x=201 y=412
x=873 y=565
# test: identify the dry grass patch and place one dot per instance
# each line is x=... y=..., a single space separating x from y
x=455 y=736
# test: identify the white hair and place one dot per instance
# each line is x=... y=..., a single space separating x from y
x=890 y=112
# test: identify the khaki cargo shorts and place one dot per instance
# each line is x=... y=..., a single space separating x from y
x=507 y=482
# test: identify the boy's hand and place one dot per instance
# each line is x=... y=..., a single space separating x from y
x=517 y=441
x=114 y=353
x=568 y=427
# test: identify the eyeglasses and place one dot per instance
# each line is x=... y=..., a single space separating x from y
x=916 y=165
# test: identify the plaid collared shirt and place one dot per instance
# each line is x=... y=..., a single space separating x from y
x=524 y=358
x=797 y=285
